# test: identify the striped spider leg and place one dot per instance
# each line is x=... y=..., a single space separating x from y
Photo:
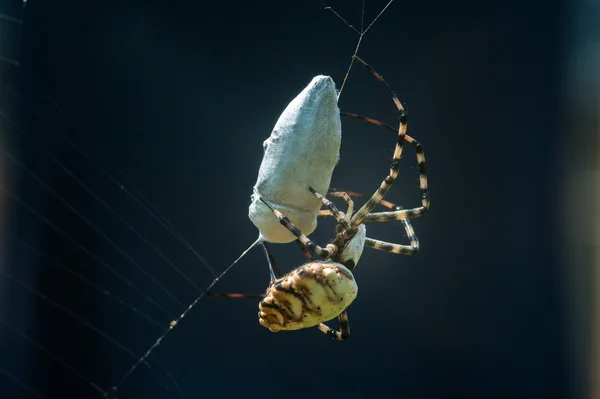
x=364 y=213
x=398 y=213
x=411 y=249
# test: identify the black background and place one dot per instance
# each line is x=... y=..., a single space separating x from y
x=181 y=95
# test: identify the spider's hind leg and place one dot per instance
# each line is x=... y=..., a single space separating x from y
x=400 y=249
x=304 y=250
x=344 y=332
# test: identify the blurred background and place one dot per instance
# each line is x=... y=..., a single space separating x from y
x=113 y=111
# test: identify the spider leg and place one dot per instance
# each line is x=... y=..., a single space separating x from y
x=344 y=230
x=303 y=249
x=411 y=249
x=425 y=201
x=273 y=269
x=400 y=214
x=307 y=242
x=333 y=191
x=339 y=216
x=400 y=249
x=344 y=332
x=325 y=213
x=348 y=200
x=357 y=219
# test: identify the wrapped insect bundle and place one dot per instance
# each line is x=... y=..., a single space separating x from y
x=301 y=152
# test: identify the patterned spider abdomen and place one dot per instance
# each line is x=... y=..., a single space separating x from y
x=311 y=294
x=301 y=152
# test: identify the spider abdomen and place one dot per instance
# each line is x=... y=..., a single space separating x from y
x=311 y=294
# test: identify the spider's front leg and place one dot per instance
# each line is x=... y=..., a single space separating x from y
x=401 y=249
x=346 y=197
x=333 y=211
x=344 y=332
x=345 y=231
x=326 y=252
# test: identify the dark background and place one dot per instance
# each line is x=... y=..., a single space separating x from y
x=180 y=96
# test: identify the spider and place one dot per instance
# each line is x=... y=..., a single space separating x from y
x=319 y=291
x=294 y=301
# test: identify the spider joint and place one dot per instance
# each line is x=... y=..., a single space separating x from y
x=332 y=248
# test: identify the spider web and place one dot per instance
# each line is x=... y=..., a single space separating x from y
x=112 y=245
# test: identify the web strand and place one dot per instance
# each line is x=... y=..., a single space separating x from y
x=11 y=278
x=50 y=354
x=174 y=324
x=133 y=193
x=97 y=198
x=361 y=34
x=69 y=312
x=84 y=249
x=23 y=385
x=82 y=278
x=93 y=227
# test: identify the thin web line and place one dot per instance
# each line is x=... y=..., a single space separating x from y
x=92 y=226
x=149 y=207
x=362 y=16
x=13 y=61
x=378 y=15
x=11 y=19
x=50 y=354
x=97 y=198
x=174 y=324
x=84 y=249
x=79 y=276
x=70 y=368
x=23 y=385
x=361 y=34
x=64 y=309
